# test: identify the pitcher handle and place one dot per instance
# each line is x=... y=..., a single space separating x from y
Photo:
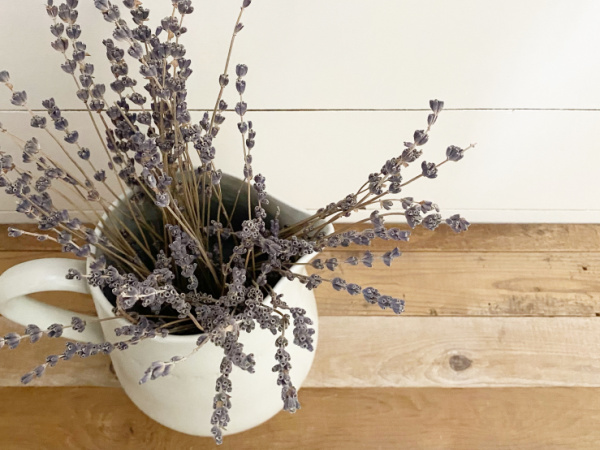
x=39 y=275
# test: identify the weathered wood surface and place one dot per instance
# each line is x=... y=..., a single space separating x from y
x=509 y=311
x=103 y=418
x=395 y=352
x=481 y=238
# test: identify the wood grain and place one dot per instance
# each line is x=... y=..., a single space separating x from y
x=397 y=352
x=101 y=418
x=485 y=237
x=471 y=283
x=516 y=281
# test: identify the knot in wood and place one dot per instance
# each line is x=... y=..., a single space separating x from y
x=459 y=362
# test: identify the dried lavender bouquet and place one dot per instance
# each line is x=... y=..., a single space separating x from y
x=178 y=257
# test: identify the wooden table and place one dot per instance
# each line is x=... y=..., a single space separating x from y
x=499 y=347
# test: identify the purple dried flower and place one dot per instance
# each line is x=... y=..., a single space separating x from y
x=338 y=284
x=60 y=44
x=57 y=29
x=14 y=232
x=436 y=106
x=12 y=340
x=429 y=169
x=4 y=77
x=389 y=256
x=34 y=333
x=55 y=330
x=19 y=98
x=432 y=221
x=367 y=259
x=240 y=108
x=241 y=70
x=413 y=215
x=420 y=137
x=457 y=223
x=353 y=289
x=371 y=294
x=352 y=260
x=72 y=137
x=26 y=379
x=454 y=153
x=78 y=324
x=52 y=360
x=240 y=86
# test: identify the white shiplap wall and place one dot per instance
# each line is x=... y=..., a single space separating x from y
x=336 y=86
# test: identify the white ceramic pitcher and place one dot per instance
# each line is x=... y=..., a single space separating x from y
x=183 y=400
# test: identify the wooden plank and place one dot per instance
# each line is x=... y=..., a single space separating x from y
x=486 y=237
x=542 y=418
x=443 y=283
x=474 y=284
x=403 y=352
x=494 y=237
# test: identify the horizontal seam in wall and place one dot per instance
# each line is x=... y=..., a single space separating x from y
x=341 y=110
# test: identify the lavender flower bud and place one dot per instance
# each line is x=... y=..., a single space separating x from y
x=457 y=223
x=420 y=137
x=4 y=77
x=57 y=29
x=436 y=106
x=162 y=200
x=454 y=153
x=240 y=86
x=26 y=379
x=60 y=44
x=14 y=232
x=12 y=340
x=52 y=10
x=100 y=176
x=432 y=221
x=38 y=122
x=83 y=95
x=69 y=66
x=238 y=28
x=240 y=108
x=246 y=3
x=223 y=80
x=73 y=31
x=19 y=98
x=136 y=51
x=55 y=330
x=34 y=333
x=388 y=257
x=72 y=137
x=429 y=169
x=78 y=324
x=243 y=127
x=338 y=284
x=353 y=261
x=241 y=70
x=52 y=360
x=353 y=289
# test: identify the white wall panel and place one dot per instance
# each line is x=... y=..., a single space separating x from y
x=336 y=83
x=321 y=54
x=528 y=166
